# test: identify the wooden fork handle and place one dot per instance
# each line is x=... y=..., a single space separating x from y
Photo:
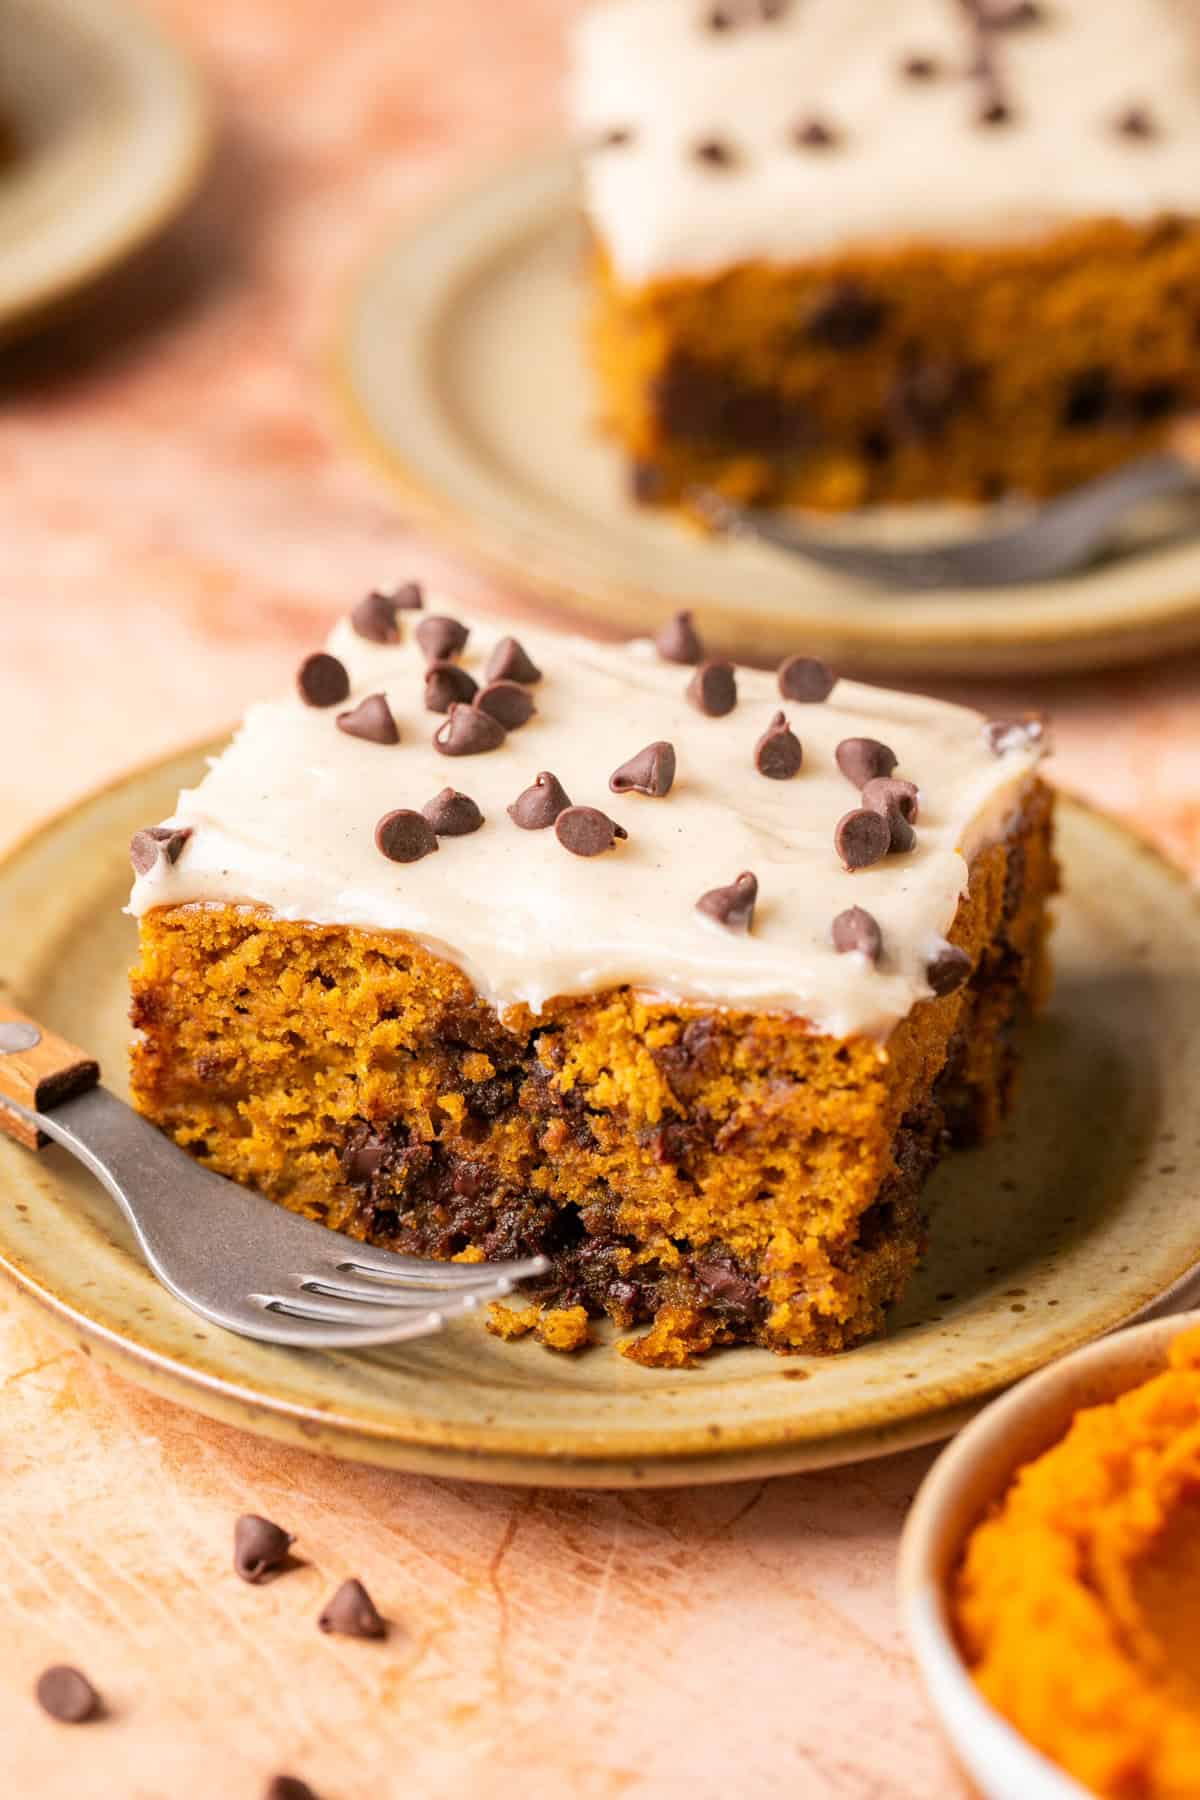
x=39 y=1070
x=1184 y=439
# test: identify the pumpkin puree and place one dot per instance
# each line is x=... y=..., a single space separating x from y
x=1078 y=1600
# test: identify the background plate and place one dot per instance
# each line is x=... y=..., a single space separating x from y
x=1080 y=1216
x=462 y=367
x=113 y=132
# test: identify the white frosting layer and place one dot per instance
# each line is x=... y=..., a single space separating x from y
x=911 y=163
x=285 y=818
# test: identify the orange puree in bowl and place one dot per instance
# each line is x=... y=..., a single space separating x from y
x=1077 y=1603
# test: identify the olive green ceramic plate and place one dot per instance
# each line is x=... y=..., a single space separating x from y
x=111 y=133
x=462 y=367
x=1082 y=1215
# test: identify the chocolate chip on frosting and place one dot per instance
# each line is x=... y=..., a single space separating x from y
x=651 y=771
x=679 y=641
x=805 y=678
x=777 y=754
x=715 y=153
x=1003 y=735
x=732 y=906
x=1136 y=122
x=468 y=732
x=947 y=971
x=351 y=1612
x=713 y=688
x=586 y=831
x=508 y=702
x=814 y=134
x=452 y=814
x=919 y=67
x=446 y=682
x=322 y=680
x=376 y=617
x=288 y=1787
x=442 y=638
x=370 y=719
x=898 y=802
x=862 y=837
x=540 y=803
x=864 y=759
x=67 y=1695
x=510 y=661
x=260 y=1547
x=856 y=930
x=165 y=841
x=405 y=836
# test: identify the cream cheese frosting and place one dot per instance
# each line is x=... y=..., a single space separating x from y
x=911 y=160
x=285 y=819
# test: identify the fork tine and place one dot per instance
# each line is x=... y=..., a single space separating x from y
x=384 y=1265
x=384 y=1293
x=319 y=1310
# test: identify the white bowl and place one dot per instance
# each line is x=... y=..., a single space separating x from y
x=975 y=1470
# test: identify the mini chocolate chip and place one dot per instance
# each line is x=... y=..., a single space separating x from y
x=814 y=134
x=947 y=971
x=855 y=929
x=777 y=754
x=371 y=719
x=1016 y=16
x=679 y=641
x=468 y=732
x=441 y=638
x=67 y=1695
x=921 y=68
x=805 y=678
x=844 y=317
x=540 y=804
x=510 y=661
x=586 y=831
x=651 y=771
x=405 y=836
x=714 y=153
x=508 y=702
x=260 y=1547
x=322 y=680
x=1003 y=735
x=993 y=110
x=288 y=1787
x=863 y=759
x=713 y=688
x=351 y=1613
x=377 y=617
x=452 y=814
x=446 y=682
x=1136 y=122
x=167 y=841
x=732 y=906
x=862 y=837
x=616 y=137
x=719 y=18
x=896 y=801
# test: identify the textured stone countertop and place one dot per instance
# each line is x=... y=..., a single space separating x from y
x=179 y=516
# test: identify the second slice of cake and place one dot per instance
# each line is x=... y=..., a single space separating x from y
x=682 y=974
x=850 y=252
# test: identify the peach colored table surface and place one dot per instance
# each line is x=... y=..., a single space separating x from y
x=179 y=516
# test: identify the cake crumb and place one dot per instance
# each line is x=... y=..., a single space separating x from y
x=474 y=1253
x=564 y=1328
x=507 y=1323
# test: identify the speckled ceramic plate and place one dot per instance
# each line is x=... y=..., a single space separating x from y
x=111 y=127
x=1082 y=1215
x=461 y=364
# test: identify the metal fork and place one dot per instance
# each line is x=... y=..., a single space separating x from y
x=229 y=1253
x=1052 y=539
